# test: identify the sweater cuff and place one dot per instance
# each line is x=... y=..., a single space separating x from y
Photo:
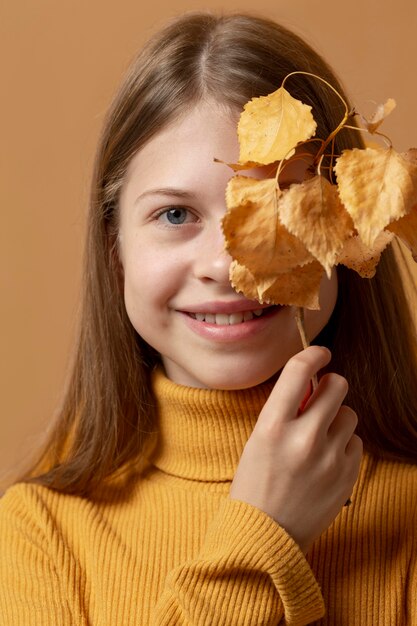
x=254 y=540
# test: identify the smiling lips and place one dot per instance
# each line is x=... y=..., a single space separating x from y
x=224 y=319
x=229 y=322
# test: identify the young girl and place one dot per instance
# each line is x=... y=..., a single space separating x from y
x=182 y=484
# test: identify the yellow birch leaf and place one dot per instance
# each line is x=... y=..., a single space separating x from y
x=271 y=126
x=266 y=171
x=313 y=212
x=238 y=167
x=254 y=235
x=382 y=111
x=244 y=281
x=357 y=256
x=406 y=230
x=377 y=187
x=298 y=287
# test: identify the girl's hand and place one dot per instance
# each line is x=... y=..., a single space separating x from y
x=301 y=469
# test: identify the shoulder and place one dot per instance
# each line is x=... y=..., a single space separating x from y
x=38 y=508
x=25 y=523
x=31 y=496
x=28 y=509
x=391 y=485
x=24 y=497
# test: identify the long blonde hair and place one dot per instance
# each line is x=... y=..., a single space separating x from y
x=107 y=415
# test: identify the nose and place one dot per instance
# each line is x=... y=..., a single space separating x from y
x=212 y=261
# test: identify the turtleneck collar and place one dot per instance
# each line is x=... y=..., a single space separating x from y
x=202 y=432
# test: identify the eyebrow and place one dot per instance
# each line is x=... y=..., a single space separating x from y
x=166 y=191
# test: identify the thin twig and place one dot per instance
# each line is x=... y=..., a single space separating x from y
x=299 y=318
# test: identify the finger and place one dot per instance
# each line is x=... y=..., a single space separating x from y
x=324 y=404
x=344 y=424
x=289 y=390
x=306 y=397
x=354 y=448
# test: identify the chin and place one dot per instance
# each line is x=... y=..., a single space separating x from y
x=228 y=379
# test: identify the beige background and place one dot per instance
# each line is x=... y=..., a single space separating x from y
x=61 y=62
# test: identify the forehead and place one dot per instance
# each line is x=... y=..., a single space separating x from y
x=206 y=131
x=184 y=151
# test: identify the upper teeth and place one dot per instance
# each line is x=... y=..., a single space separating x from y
x=223 y=319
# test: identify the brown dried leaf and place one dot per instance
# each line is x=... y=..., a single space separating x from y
x=244 y=281
x=313 y=212
x=298 y=287
x=357 y=256
x=377 y=187
x=382 y=111
x=410 y=155
x=406 y=229
x=271 y=126
x=254 y=235
x=238 y=167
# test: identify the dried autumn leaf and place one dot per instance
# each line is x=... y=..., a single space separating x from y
x=244 y=281
x=406 y=229
x=298 y=287
x=271 y=126
x=313 y=212
x=254 y=235
x=410 y=155
x=382 y=111
x=238 y=167
x=265 y=171
x=377 y=187
x=357 y=256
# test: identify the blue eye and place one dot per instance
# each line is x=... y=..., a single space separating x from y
x=177 y=216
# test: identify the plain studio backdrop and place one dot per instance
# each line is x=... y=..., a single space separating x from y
x=61 y=63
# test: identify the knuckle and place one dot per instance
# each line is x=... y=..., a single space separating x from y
x=358 y=444
x=305 y=445
x=349 y=416
x=268 y=430
x=298 y=365
x=331 y=463
x=339 y=381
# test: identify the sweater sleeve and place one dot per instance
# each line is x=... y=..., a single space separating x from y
x=35 y=568
x=249 y=571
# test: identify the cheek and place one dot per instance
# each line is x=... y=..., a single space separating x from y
x=151 y=279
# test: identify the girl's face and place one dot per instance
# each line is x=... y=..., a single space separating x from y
x=176 y=271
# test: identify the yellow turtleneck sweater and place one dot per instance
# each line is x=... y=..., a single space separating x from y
x=180 y=551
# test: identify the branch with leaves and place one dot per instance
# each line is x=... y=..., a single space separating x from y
x=282 y=241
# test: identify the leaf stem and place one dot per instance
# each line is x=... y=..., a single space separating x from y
x=322 y=80
x=331 y=162
x=299 y=318
x=319 y=165
x=301 y=156
x=346 y=116
x=365 y=130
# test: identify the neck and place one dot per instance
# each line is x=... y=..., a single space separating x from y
x=202 y=432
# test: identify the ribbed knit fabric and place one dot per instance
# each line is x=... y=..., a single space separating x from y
x=180 y=551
